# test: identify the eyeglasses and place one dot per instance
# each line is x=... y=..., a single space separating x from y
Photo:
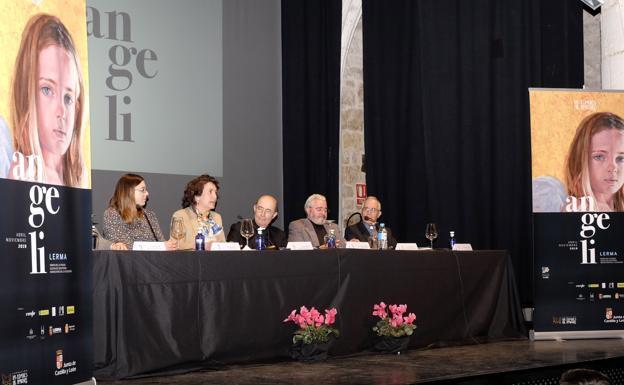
x=142 y=190
x=371 y=209
x=262 y=210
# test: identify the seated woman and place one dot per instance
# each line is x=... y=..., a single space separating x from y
x=199 y=200
x=126 y=220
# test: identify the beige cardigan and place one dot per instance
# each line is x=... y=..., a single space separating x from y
x=191 y=225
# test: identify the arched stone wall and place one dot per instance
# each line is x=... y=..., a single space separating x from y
x=351 y=109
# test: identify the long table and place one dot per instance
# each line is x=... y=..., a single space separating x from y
x=159 y=310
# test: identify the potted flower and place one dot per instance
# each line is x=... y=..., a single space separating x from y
x=311 y=340
x=394 y=329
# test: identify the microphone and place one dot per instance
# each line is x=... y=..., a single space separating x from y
x=352 y=215
x=369 y=219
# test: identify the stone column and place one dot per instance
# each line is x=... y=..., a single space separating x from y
x=612 y=44
x=351 y=110
x=591 y=50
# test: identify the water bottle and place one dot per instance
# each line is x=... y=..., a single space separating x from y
x=260 y=242
x=452 y=240
x=331 y=239
x=382 y=237
x=199 y=240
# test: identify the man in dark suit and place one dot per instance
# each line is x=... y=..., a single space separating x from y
x=265 y=212
x=368 y=226
x=315 y=227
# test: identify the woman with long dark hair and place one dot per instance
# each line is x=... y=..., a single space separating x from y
x=126 y=220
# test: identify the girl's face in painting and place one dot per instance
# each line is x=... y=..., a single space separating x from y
x=57 y=87
x=606 y=161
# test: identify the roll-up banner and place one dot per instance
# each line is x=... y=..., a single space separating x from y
x=45 y=229
x=577 y=146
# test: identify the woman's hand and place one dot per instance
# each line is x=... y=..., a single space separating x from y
x=171 y=244
x=119 y=246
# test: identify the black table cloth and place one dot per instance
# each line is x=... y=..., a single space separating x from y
x=158 y=310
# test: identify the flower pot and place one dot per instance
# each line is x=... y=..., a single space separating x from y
x=389 y=344
x=309 y=352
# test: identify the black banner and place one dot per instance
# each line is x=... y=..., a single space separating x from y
x=45 y=299
x=579 y=282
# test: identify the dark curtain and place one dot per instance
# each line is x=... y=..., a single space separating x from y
x=311 y=102
x=446 y=113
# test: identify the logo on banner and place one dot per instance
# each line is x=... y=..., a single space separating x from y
x=124 y=58
x=609 y=313
x=63 y=368
x=564 y=320
x=15 y=378
x=59 y=359
x=47 y=196
x=590 y=224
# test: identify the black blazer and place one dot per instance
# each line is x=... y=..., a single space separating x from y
x=360 y=232
x=275 y=236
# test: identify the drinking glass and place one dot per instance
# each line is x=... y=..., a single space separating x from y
x=246 y=231
x=431 y=233
x=372 y=242
x=178 y=230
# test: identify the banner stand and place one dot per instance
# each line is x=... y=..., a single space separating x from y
x=577 y=142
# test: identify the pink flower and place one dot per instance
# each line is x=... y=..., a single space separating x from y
x=301 y=321
x=330 y=316
x=380 y=310
x=311 y=316
x=398 y=310
x=307 y=315
x=291 y=316
x=396 y=321
x=410 y=318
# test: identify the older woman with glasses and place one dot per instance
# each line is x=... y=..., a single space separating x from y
x=126 y=220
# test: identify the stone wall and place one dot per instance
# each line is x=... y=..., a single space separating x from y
x=351 y=119
x=612 y=37
x=591 y=50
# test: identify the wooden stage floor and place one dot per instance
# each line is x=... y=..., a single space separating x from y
x=506 y=362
